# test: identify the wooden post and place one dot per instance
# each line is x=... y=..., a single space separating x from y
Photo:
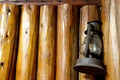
x=47 y=43
x=105 y=14
x=67 y=42
x=26 y=61
x=8 y=26
x=14 y=56
x=111 y=38
x=115 y=32
x=88 y=13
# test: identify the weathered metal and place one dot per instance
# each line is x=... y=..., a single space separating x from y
x=90 y=66
x=92 y=51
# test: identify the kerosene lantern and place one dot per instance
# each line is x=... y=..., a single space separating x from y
x=91 y=63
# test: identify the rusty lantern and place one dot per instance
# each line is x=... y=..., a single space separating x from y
x=92 y=51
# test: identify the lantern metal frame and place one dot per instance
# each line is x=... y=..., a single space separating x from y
x=91 y=64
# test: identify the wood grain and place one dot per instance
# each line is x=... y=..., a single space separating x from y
x=14 y=56
x=67 y=42
x=47 y=43
x=87 y=13
x=52 y=2
x=116 y=52
x=8 y=26
x=105 y=14
x=26 y=61
x=110 y=18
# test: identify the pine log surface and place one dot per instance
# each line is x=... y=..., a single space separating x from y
x=47 y=43
x=8 y=26
x=27 y=51
x=111 y=31
x=15 y=51
x=8 y=29
x=67 y=42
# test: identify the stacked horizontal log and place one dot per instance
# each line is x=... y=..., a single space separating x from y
x=52 y=2
x=67 y=42
x=8 y=28
x=27 y=52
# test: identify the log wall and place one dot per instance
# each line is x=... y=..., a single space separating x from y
x=8 y=29
x=44 y=42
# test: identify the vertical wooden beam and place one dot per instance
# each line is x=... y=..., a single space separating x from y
x=105 y=14
x=47 y=43
x=15 y=51
x=110 y=18
x=117 y=33
x=8 y=26
x=67 y=42
x=26 y=62
x=87 y=13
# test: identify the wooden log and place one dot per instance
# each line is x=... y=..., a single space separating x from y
x=26 y=61
x=14 y=56
x=87 y=13
x=47 y=43
x=8 y=26
x=67 y=42
x=105 y=14
x=115 y=39
x=110 y=18
x=52 y=2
